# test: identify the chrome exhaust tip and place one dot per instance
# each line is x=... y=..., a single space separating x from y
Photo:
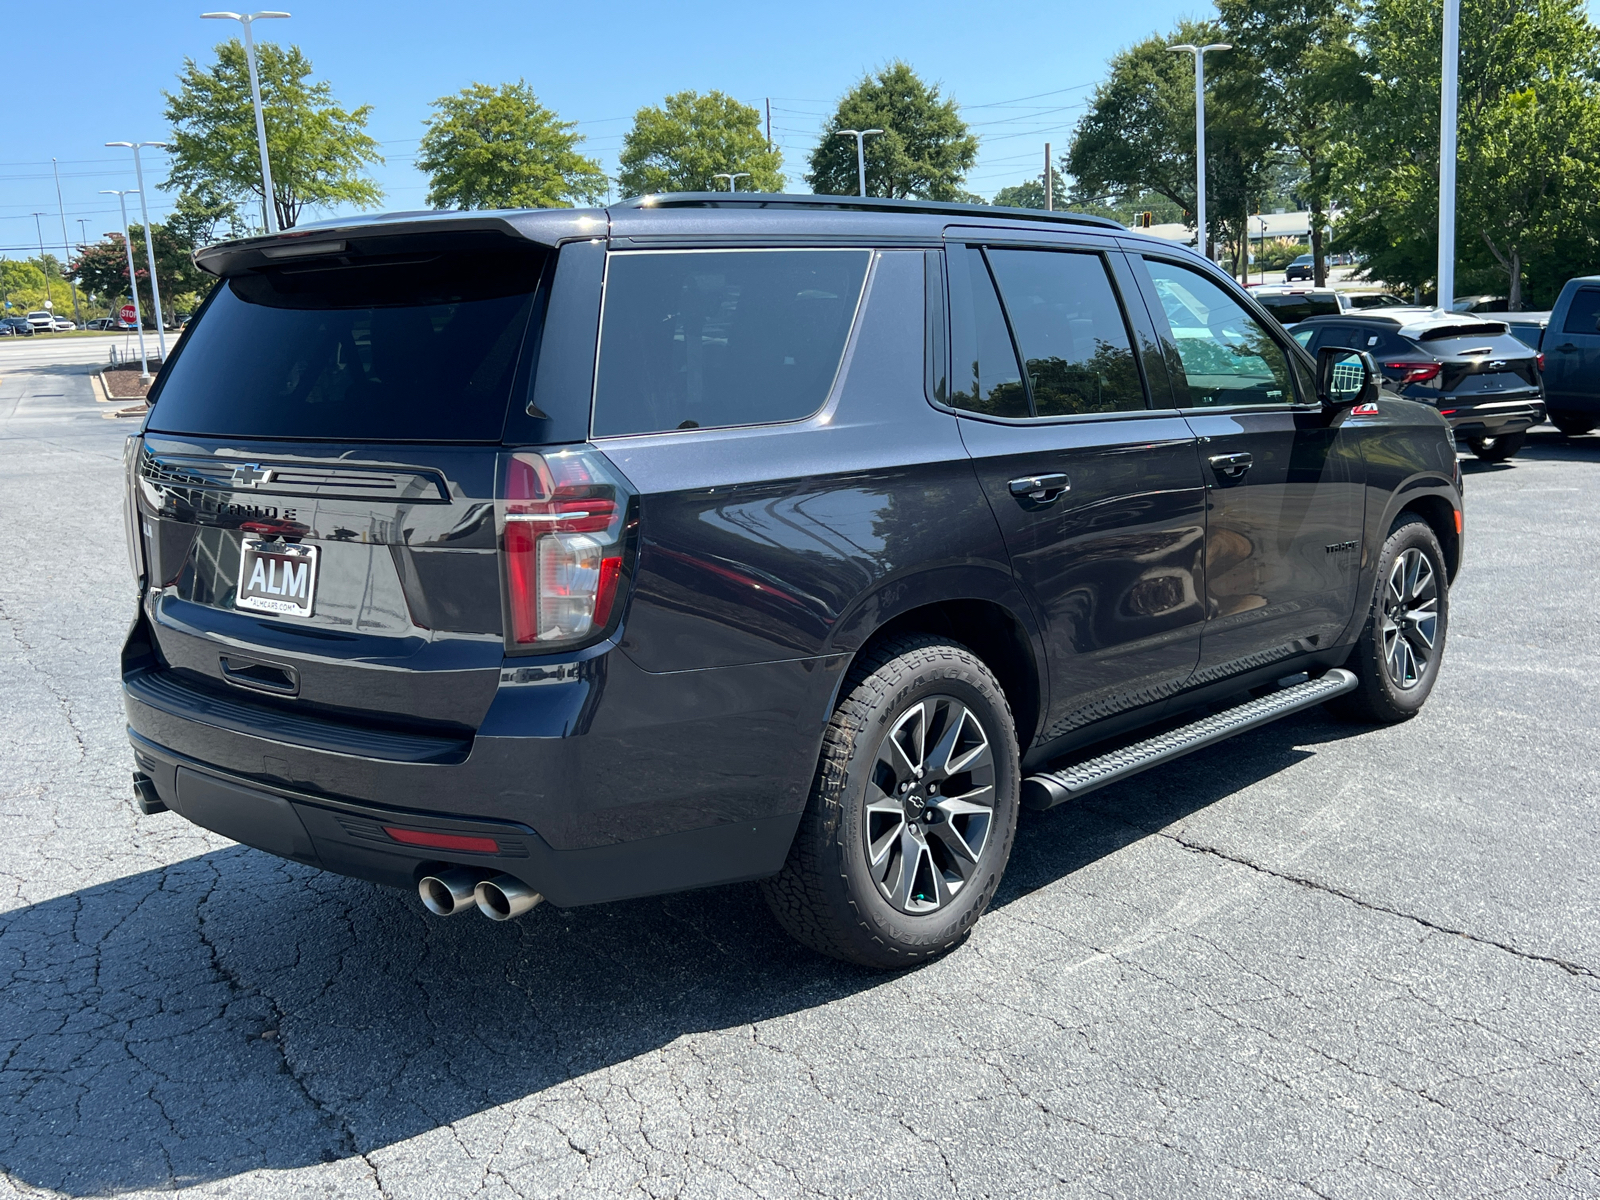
x=504 y=897
x=447 y=893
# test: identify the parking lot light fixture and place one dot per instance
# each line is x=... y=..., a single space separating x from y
x=861 y=136
x=43 y=266
x=732 y=177
x=133 y=282
x=269 y=209
x=1451 y=61
x=1200 y=53
x=149 y=239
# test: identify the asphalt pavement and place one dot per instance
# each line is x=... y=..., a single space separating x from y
x=1317 y=960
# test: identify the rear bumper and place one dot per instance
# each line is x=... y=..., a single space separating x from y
x=1492 y=418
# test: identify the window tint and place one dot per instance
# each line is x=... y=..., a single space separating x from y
x=1069 y=326
x=395 y=348
x=697 y=339
x=1290 y=309
x=1228 y=357
x=1585 y=311
x=984 y=373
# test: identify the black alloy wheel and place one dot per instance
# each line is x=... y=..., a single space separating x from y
x=1497 y=448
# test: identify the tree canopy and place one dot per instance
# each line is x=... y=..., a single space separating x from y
x=1030 y=192
x=318 y=151
x=684 y=143
x=924 y=152
x=488 y=147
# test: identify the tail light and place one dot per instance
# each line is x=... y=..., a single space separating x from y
x=1539 y=359
x=130 y=506
x=562 y=518
x=1415 y=372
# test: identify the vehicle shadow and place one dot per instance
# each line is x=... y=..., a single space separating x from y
x=235 y=1012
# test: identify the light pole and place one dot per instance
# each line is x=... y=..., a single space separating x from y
x=861 y=136
x=133 y=283
x=1199 y=53
x=269 y=209
x=732 y=177
x=149 y=240
x=49 y=296
x=1447 y=153
x=77 y=313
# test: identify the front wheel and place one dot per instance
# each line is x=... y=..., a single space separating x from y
x=912 y=813
x=1397 y=657
x=1498 y=448
x=1572 y=426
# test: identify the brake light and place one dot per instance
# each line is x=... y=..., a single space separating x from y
x=1415 y=372
x=561 y=520
x=1539 y=359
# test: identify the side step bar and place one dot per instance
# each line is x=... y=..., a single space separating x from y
x=1049 y=788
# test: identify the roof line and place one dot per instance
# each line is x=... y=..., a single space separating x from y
x=858 y=204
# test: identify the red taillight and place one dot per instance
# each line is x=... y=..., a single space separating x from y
x=1414 y=372
x=443 y=841
x=1539 y=358
x=561 y=533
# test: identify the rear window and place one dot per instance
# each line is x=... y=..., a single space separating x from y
x=696 y=339
x=398 y=347
x=1289 y=309
x=1504 y=345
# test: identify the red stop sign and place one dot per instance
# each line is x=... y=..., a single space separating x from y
x=129 y=314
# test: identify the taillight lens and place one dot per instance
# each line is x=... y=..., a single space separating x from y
x=562 y=518
x=1415 y=372
x=130 y=506
x=1539 y=359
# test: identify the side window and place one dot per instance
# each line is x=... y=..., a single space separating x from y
x=1070 y=328
x=1584 y=313
x=984 y=374
x=1228 y=356
x=697 y=339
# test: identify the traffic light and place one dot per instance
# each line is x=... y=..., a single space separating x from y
x=1146 y=219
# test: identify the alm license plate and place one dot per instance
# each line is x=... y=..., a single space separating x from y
x=277 y=577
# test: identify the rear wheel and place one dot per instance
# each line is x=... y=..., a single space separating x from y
x=1498 y=448
x=1397 y=657
x=1573 y=426
x=913 y=811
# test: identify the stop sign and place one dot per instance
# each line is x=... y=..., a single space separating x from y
x=129 y=314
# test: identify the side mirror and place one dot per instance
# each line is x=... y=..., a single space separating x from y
x=1346 y=377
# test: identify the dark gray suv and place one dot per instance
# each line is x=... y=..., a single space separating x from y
x=580 y=555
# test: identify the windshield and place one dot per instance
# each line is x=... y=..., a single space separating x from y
x=419 y=347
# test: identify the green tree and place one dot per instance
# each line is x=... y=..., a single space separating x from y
x=1294 y=66
x=924 y=152
x=102 y=268
x=682 y=146
x=488 y=147
x=1030 y=192
x=1528 y=204
x=318 y=150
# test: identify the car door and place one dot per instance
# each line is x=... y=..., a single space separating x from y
x=1099 y=500
x=1572 y=356
x=1284 y=486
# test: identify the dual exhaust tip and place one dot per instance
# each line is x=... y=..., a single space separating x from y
x=499 y=897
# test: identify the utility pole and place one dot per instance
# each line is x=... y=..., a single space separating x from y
x=133 y=284
x=861 y=136
x=77 y=313
x=1200 y=53
x=769 y=124
x=1049 y=182
x=269 y=208
x=1447 y=153
x=49 y=297
x=149 y=239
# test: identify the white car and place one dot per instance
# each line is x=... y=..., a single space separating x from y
x=42 y=322
x=64 y=325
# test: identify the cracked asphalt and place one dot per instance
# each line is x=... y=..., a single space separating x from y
x=1315 y=960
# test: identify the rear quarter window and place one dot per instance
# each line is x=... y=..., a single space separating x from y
x=1584 y=312
x=698 y=339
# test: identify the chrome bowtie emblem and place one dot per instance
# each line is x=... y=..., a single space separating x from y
x=250 y=475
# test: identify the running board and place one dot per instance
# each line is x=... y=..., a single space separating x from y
x=1049 y=788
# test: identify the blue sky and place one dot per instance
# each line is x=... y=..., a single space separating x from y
x=81 y=74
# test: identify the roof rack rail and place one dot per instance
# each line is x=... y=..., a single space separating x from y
x=780 y=200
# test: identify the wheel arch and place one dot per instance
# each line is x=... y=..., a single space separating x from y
x=1440 y=515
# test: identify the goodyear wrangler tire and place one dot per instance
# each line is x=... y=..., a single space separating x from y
x=912 y=812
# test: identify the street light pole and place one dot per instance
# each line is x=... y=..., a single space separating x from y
x=133 y=283
x=861 y=136
x=732 y=177
x=149 y=241
x=1447 y=153
x=77 y=313
x=49 y=296
x=1199 y=53
x=270 y=210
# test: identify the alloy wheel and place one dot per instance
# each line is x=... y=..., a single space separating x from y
x=1410 y=619
x=929 y=805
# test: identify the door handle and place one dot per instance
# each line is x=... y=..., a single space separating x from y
x=1231 y=465
x=1043 y=488
x=1569 y=348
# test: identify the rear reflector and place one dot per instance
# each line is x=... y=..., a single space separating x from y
x=443 y=841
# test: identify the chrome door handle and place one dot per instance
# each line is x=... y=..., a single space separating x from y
x=1231 y=465
x=1043 y=488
